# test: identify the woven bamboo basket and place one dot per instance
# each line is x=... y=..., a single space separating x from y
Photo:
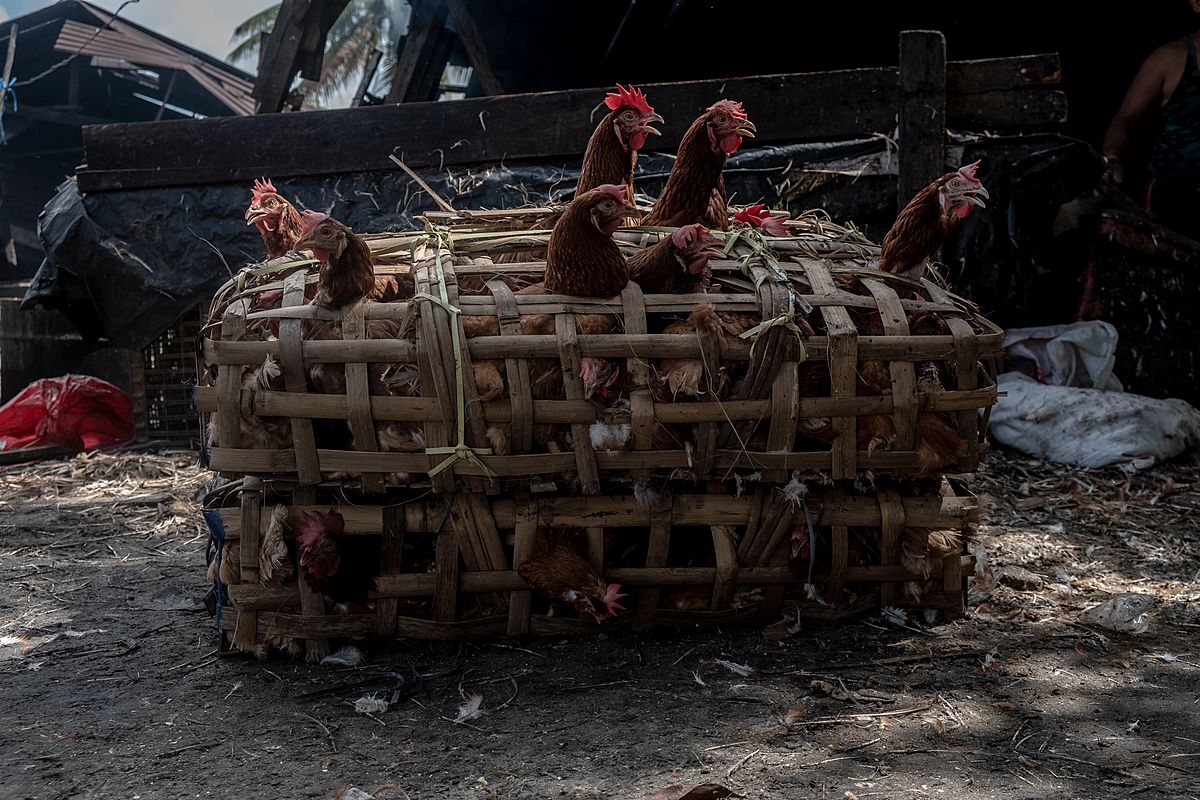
x=779 y=279
x=855 y=549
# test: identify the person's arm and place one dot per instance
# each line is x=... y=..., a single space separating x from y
x=1145 y=90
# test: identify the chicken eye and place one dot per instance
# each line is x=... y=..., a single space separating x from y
x=722 y=119
x=629 y=115
x=607 y=204
x=326 y=232
x=272 y=203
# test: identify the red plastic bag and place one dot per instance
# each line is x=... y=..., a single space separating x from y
x=78 y=412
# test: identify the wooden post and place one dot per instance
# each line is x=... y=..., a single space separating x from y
x=922 y=111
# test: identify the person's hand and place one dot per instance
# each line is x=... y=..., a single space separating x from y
x=1115 y=171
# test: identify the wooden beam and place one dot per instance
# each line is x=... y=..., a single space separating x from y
x=422 y=54
x=472 y=41
x=367 y=76
x=839 y=105
x=296 y=43
x=922 y=111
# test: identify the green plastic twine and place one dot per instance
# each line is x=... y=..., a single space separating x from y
x=760 y=247
x=460 y=450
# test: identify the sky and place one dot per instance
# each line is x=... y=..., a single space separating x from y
x=206 y=25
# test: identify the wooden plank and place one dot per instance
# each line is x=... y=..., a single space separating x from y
x=725 y=551
x=1000 y=74
x=966 y=351
x=903 y=373
x=391 y=556
x=844 y=104
x=884 y=348
x=641 y=399
x=568 y=352
x=1035 y=108
x=445 y=593
x=358 y=397
x=246 y=634
x=843 y=363
x=891 y=532
x=922 y=111
x=295 y=380
x=516 y=370
x=520 y=599
x=839 y=572
x=433 y=375
x=424 y=409
x=229 y=380
x=312 y=601
x=656 y=556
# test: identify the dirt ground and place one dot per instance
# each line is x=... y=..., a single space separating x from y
x=113 y=686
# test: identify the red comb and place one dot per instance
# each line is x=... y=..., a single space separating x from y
x=968 y=171
x=688 y=234
x=732 y=107
x=616 y=191
x=310 y=220
x=628 y=97
x=261 y=186
x=752 y=215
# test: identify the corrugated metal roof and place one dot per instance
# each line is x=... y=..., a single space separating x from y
x=121 y=41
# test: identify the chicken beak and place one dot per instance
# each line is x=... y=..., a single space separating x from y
x=304 y=243
x=254 y=214
x=644 y=123
x=973 y=199
x=746 y=129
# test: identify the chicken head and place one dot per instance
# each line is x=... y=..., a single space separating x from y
x=266 y=206
x=694 y=246
x=316 y=538
x=598 y=374
x=321 y=239
x=607 y=212
x=634 y=115
x=960 y=191
x=727 y=124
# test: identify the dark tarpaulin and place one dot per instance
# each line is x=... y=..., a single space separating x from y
x=126 y=265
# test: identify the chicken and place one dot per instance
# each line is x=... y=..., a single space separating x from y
x=317 y=540
x=260 y=433
x=581 y=259
x=927 y=220
x=676 y=376
x=274 y=568
x=346 y=277
x=559 y=573
x=612 y=151
x=676 y=265
x=276 y=219
x=695 y=190
x=609 y=158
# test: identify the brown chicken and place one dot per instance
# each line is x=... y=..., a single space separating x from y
x=609 y=158
x=685 y=376
x=582 y=259
x=276 y=219
x=676 y=265
x=927 y=220
x=559 y=573
x=260 y=433
x=274 y=568
x=611 y=153
x=346 y=277
x=695 y=190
